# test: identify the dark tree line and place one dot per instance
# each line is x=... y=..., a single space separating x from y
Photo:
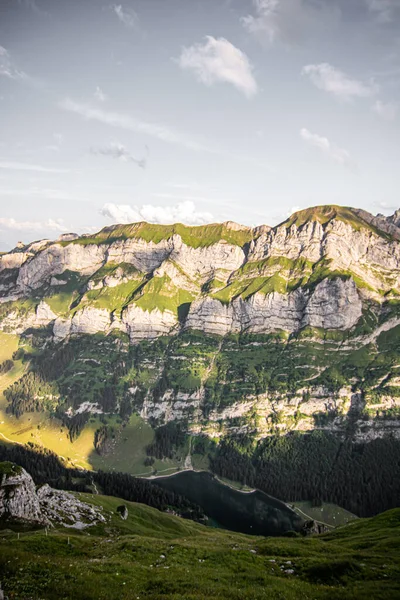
x=29 y=394
x=168 y=439
x=135 y=489
x=75 y=424
x=101 y=437
x=45 y=467
x=363 y=478
x=6 y=366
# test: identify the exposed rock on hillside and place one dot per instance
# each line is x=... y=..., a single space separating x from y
x=334 y=304
x=316 y=269
x=63 y=508
x=18 y=500
x=269 y=329
x=20 y=503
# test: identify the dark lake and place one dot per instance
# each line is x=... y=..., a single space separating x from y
x=254 y=512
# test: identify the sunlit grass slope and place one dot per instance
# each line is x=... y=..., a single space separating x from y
x=159 y=556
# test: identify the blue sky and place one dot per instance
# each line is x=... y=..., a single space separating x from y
x=194 y=111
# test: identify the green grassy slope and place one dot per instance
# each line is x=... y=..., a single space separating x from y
x=158 y=556
x=328 y=513
x=196 y=237
x=326 y=213
x=206 y=235
x=229 y=370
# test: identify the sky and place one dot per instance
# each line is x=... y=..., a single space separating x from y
x=194 y=111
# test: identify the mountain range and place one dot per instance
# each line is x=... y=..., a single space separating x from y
x=203 y=333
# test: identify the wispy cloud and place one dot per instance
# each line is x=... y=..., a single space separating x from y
x=7 y=66
x=42 y=193
x=183 y=212
x=338 y=155
x=329 y=79
x=387 y=208
x=58 y=142
x=49 y=224
x=386 y=110
x=118 y=151
x=32 y=5
x=127 y=16
x=286 y=21
x=100 y=95
x=385 y=10
x=129 y=123
x=217 y=60
x=18 y=166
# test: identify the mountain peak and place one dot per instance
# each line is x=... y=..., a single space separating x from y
x=357 y=218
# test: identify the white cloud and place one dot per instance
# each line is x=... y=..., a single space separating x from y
x=119 y=152
x=7 y=67
x=329 y=79
x=127 y=16
x=218 y=60
x=183 y=212
x=100 y=95
x=13 y=224
x=18 y=166
x=287 y=21
x=338 y=155
x=386 y=110
x=123 y=121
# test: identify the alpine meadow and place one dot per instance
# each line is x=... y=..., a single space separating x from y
x=199 y=300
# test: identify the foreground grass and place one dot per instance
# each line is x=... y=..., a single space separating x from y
x=159 y=556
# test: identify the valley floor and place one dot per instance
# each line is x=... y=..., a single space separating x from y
x=159 y=556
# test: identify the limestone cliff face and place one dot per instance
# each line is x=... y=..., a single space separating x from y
x=360 y=251
x=270 y=413
x=57 y=259
x=335 y=304
x=325 y=283
x=144 y=256
x=317 y=269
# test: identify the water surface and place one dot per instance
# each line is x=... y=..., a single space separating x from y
x=246 y=512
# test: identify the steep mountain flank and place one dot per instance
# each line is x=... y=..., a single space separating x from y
x=223 y=328
x=315 y=269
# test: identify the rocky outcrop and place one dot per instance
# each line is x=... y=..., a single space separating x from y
x=18 y=500
x=335 y=304
x=39 y=317
x=390 y=225
x=359 y=248
x=207 y=261
x=369 y=261
x=141 y=324
x=66 y=510
x=123 y=512
x=58 y=258
x=21 y=503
